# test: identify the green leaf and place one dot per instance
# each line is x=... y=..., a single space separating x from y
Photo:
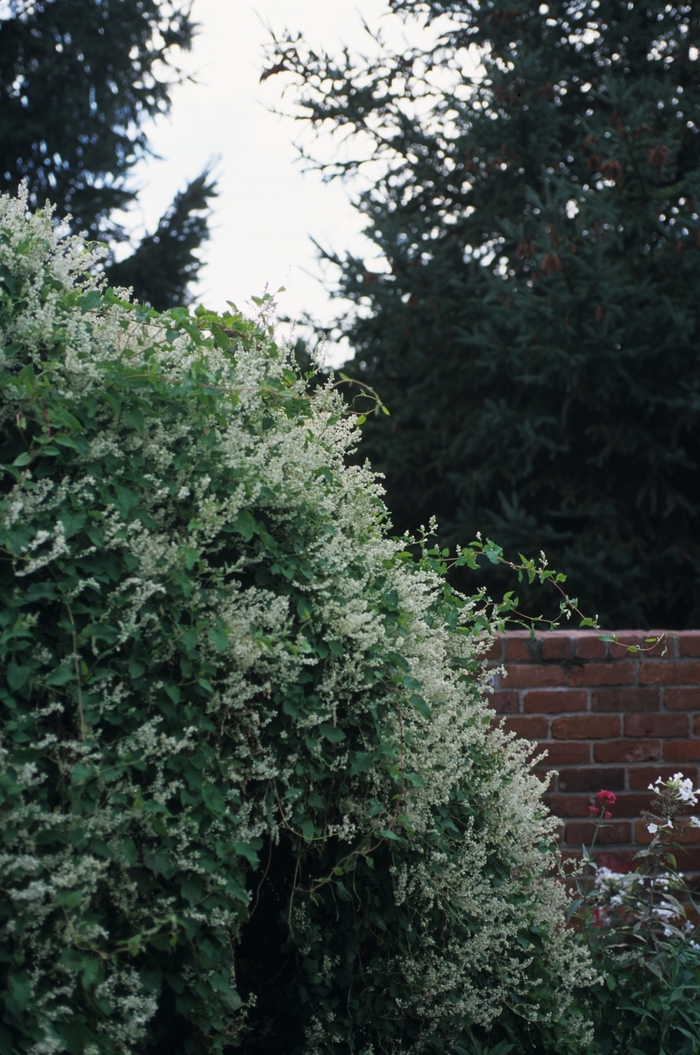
x=307 y=829
x=420 y=705
x=68 y=898
x=81 y=772
x=213 y=798
x=249 y=849
x=17 y=676
x=90 y=300
x=135 y=667
x=244 y=524
x=6 y=1045
x=193 y=889
x=173 y=692
x=134 y=417
x=331 y=732
x=61 y=675
x=68 y=441
x=218 y=638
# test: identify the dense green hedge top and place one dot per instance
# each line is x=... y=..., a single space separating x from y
x=248 y=784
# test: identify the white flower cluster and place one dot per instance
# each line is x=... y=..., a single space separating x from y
x=630 y=891
x=319 y=594
x=681 y=789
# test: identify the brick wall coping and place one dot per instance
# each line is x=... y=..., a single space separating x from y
x=586 y=644
x=608 y=719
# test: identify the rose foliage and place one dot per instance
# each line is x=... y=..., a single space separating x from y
x=250 y=793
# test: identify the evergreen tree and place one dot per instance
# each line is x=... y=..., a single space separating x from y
x=78 y=81
x=536 y=337
x=165 y=262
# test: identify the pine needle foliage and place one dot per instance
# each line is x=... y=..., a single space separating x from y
x=250 y=796
x=78 y=83
x=535 y=334
x=165 y=262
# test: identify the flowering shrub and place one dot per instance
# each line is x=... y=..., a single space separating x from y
x=250 y=794
x=641 y=939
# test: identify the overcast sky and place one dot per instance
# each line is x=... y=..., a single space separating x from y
x=267 y=207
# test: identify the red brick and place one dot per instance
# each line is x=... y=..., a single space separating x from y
x=688 y=859
x=504 y=702
x=664 y=647
x=520 y=646
x=589 y=645
x=555 y=701
x=568 y=805
x=631 y=804
x=696 y=725
x=622 y=672
x=649 y=643
x=689 y=643
x=688 y=837
x=586 y=727
x=642 y=777
x=592 y=778
x=532 y=728
x=668 y=672
x=682 y=751
x=611 y=832
x=534 y=675
x=625 y=700
x=625 y=639
x=557 y=644
x=616 y=860
x=682 y=699
x=495 y=650
x=565 y=753
x=656 y=725
x=627 y=751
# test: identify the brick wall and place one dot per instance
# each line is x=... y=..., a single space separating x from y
x=608 y=719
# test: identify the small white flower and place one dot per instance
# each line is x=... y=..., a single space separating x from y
x=653 y=828
x=683 y=788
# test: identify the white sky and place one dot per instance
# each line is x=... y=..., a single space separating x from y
x=267 y=207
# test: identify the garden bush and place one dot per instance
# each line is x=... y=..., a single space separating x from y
x=640 y=934
x=251 y=796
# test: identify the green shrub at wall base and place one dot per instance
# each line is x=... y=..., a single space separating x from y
x=250 y=796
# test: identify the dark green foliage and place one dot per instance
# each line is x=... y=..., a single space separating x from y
x=78 y=81
x=164 y=263
x=245 y=751
x=541 y=364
